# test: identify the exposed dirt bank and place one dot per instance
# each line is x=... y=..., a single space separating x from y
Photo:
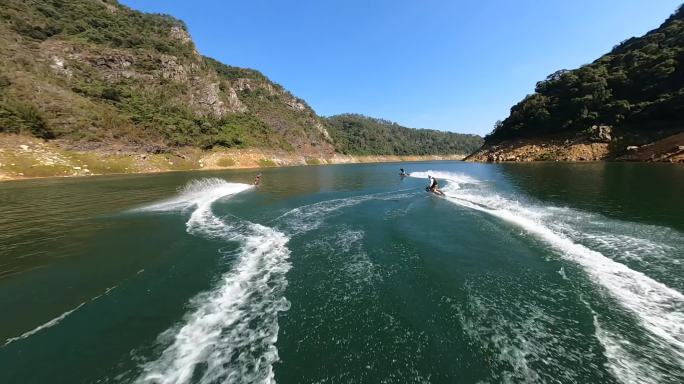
x=23 y=157
x=669 y=149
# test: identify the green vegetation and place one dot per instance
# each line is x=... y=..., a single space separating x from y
x=637 y=87
x=97 y=71
x=228 y=72
x=99 y=164
x=267 y=163
x=18 y=117
x=225 y=162
x=361 y=135
x=94 y=72
x=98 y=22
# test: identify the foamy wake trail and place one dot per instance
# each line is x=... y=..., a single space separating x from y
x=229 y=336
x=455 y=179
x=309 y=217
x=39 y=328
x=54 y=321
x=658 y=307
x=656 y=250
x=621 y=361
x=198 y=194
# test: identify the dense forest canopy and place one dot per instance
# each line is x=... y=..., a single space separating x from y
x=116 y=26
x=638 y=86
x=361 y=135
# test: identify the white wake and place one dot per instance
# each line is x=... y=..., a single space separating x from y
x=197 y=194
x=658 y=307
x=230 y=334
x=55 y=321
x=39 y=328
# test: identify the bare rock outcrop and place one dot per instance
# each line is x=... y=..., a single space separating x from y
x=234 y=102
x=295 y=104
x=537 y=149
x=322 y=130
x=243 y=84
x=110 y=7
x=170 y=68
x=59 y=66
x=179 y=33
x=601 y=133
x=206 y=97
x=669 y=149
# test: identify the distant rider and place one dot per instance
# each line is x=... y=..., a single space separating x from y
x=402 y=172
x=257 y=179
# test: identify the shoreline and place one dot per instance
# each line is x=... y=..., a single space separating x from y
x=4 y=178
x=668 y=149
x=26 y=158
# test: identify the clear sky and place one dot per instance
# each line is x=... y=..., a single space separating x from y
x=449 y=65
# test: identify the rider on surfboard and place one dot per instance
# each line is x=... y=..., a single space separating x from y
x=434 y=186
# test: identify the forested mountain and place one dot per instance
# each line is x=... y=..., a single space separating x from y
x=637 y=89
x=94 y=72
x=361 y=135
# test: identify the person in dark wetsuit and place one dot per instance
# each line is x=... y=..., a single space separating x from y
x=434 y=186
x=257 y=179
x=402 y=172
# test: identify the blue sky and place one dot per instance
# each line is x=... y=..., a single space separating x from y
x=449 y=65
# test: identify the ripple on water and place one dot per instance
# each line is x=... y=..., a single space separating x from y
x=522 y=325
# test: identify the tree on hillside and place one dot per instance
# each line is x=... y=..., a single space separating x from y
x=638 y=86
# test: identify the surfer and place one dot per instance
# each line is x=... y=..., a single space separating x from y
x=402 y=172
x=434 y=186
x=257 y=179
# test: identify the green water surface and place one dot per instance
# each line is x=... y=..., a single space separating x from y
x=524 y=273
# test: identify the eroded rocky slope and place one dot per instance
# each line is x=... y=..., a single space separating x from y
x=96 y=74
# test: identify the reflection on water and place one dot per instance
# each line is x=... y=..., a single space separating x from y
x=650 y=193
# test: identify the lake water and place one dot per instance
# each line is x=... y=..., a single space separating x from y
x=523 y=273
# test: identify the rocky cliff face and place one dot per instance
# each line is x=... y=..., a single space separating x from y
x=93 y=73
